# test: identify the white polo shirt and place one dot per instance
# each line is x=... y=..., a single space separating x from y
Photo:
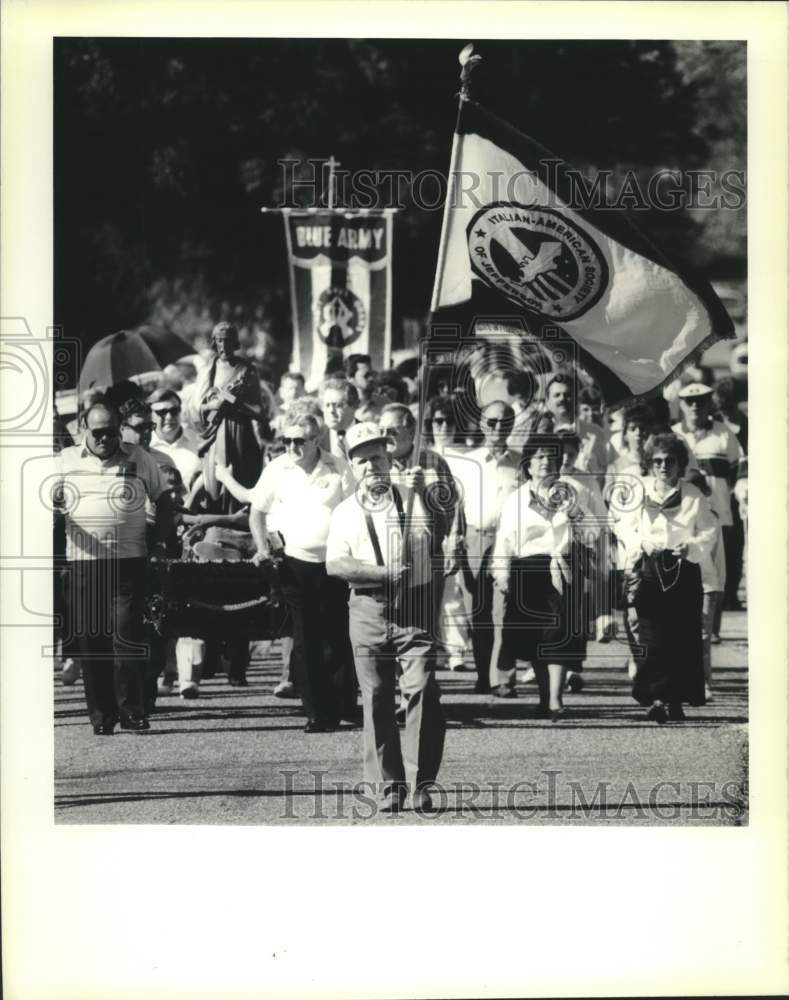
x=300 y=504
x=105 y=501
x=349 y=535
x=183 y=454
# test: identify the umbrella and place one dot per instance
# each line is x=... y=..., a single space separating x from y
x=131 y=352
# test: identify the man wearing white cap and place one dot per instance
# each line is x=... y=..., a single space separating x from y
x=385 y=556
x=717 y=453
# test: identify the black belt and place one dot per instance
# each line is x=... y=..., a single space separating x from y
x=369 y=592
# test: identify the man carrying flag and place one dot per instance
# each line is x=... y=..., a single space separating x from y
x=514 y=247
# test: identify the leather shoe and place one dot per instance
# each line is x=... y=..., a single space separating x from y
x=675 y=713
x=394 y=799
x=575 y=682
x=314 y=726
x=135 y=725
x=557 y=714
x=104 y=730
x=421 y=801
x=502 y=691
x=657 y=713
x=237 y=682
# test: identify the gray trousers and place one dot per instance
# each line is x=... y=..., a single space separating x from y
x=383 y=650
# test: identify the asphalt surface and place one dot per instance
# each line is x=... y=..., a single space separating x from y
x=239 y=756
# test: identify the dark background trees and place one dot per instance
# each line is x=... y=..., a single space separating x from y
x=165 y=150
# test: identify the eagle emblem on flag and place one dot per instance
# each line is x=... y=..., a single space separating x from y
x=538 y=258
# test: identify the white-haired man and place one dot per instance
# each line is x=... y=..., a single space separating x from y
x=339 y=400
x=300 y=489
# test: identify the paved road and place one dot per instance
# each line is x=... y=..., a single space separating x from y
x=239 y=756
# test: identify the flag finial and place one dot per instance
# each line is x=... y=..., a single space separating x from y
x=468 y=61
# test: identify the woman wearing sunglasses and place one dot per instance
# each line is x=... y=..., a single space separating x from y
x=668 y=539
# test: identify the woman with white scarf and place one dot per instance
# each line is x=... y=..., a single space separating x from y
x=539 y=560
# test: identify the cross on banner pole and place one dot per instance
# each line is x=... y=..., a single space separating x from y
x=332 y=164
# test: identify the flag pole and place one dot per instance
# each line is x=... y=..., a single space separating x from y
x=468 y=62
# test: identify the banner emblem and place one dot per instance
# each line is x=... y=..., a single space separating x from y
x=339 y=317
x=538 y=258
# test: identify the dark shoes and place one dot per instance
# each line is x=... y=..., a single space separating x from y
x=237 y=681
x=421 y=801
x=135 y=725
x=657 y=713
x=502 y=691
x=314 y=726
x=394 y=799
x=104 y=730
x=675 y=713
x=575 y=682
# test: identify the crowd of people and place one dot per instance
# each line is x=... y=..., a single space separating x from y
x=411 y=532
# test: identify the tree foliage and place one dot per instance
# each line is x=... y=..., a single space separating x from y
x=166 y=149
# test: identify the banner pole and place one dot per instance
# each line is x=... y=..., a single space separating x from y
x=468 y=62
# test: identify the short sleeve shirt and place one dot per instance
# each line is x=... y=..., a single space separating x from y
x=349 y=536
x=182 y=453
x=717 y=452
x=300 y=504
x=105 y=501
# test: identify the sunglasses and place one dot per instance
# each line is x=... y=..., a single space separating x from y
x=104 y=432
x=169 y=411
x=668 y=461
x=295 y=442
x=492 y=422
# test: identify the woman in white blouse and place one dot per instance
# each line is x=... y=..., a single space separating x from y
x=668 y=540
x=542 y=542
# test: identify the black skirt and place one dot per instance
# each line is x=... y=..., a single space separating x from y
x=671 y=666
x=540 y=623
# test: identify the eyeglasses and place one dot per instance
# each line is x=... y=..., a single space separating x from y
x=169 y=411
x=668 y=461
x=295 y=442
x=103 y=432
x=492 y=422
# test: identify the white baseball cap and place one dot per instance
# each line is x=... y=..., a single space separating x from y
x=364 y=433
x=695 y=390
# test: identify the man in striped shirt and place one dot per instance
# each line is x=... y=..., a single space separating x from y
x=718 y=454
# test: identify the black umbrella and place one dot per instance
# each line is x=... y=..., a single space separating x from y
x=131 y=352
